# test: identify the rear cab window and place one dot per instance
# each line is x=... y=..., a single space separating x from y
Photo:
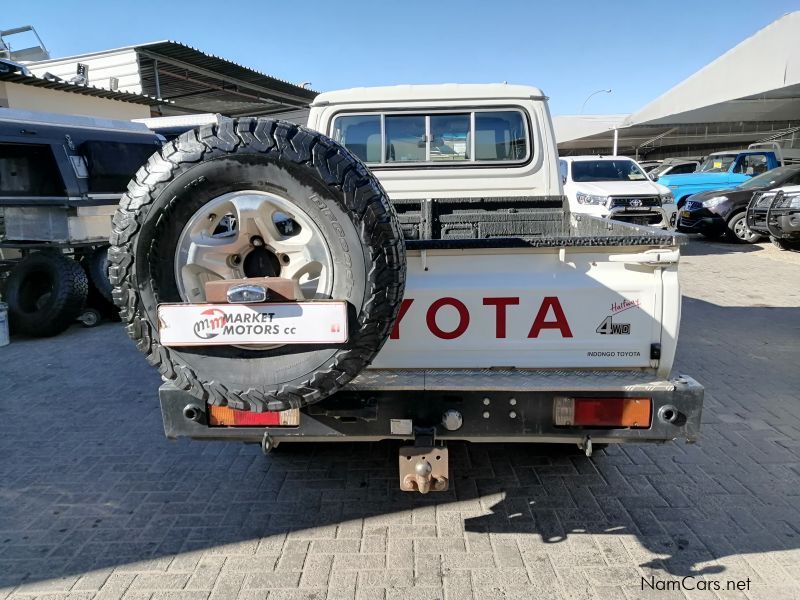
x=447 y=138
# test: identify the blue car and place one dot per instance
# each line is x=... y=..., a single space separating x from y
x=721 y=170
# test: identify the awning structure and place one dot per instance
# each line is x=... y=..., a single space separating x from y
x=191 y=80
x=200 y=82
x=749 y=94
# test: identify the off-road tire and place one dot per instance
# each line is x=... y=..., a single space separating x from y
x=97 y=267
x=226 y=157
x=68 y=288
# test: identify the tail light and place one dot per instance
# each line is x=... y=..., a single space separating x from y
x=602 y=412
x=223 y=416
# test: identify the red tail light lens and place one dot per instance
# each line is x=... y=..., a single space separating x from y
x=223 y=416
x=603 y=412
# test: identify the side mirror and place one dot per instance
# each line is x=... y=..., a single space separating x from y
x=563 y=179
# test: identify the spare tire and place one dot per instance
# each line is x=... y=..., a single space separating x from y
x=45 y=293
x=257 y=197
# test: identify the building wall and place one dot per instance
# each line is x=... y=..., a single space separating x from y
x=15 y=95
x=121 y=64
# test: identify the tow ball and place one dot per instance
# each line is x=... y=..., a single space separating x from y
x=423 y=470
x=424 y=466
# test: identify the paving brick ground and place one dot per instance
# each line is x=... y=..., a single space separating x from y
x=95 y=503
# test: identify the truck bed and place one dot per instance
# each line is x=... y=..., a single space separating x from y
x=516 y=222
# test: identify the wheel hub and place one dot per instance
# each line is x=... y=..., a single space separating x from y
x=252 y=234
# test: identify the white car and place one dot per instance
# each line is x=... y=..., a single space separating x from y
x=615 y=187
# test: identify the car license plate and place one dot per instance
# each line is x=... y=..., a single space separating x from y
x=243 y=324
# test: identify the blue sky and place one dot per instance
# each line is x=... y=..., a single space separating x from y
x=568 y=48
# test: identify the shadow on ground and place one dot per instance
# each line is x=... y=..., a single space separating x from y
x=87 y=480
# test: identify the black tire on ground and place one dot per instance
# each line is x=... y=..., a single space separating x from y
x=334 y=189
x=97 y=267
x=45 y=292
x=738 y=232
x=784 y=244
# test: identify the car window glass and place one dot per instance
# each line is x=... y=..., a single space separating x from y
x=751 y=164
x=680 y=169
x=405 y=138
x=361 y=134
x=719 y=163
x=606 y=170
x=449 y=137
x=500 y=135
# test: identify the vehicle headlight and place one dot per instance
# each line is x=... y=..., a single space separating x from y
x=589 y=199
x=667 y=198
x=715 y=201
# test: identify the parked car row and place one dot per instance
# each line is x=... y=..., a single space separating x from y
x=722 y=213
x=708 y=196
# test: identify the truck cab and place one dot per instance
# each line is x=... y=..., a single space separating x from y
x=723 y=170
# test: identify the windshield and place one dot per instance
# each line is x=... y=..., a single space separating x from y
x=717 y=163
x=769 y=179
x=606 y=170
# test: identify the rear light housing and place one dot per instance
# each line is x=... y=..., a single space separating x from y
x=223 y=416
x=634 y=413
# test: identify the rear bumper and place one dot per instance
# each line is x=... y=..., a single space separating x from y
x=496 y=409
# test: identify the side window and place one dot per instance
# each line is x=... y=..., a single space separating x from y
x=361 y=134
x=562 y=170
x=405 y=138
x=751 y=164
x=500 y=136
x=680 y=169
x=29 y=170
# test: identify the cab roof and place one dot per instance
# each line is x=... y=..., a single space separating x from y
x=421 y=93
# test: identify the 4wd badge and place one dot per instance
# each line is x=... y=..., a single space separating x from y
x=608 y=327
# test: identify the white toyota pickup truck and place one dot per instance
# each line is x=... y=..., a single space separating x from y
x=406 y=267
x=615 y=187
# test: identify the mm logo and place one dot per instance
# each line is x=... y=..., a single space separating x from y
x=608 y=327
x=210 y=326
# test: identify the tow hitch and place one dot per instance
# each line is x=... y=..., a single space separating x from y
x=424 y=466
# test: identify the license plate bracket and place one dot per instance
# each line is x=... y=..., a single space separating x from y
x=318 y=322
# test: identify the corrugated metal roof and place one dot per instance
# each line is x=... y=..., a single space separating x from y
x=84 y=90
x=224 y=68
